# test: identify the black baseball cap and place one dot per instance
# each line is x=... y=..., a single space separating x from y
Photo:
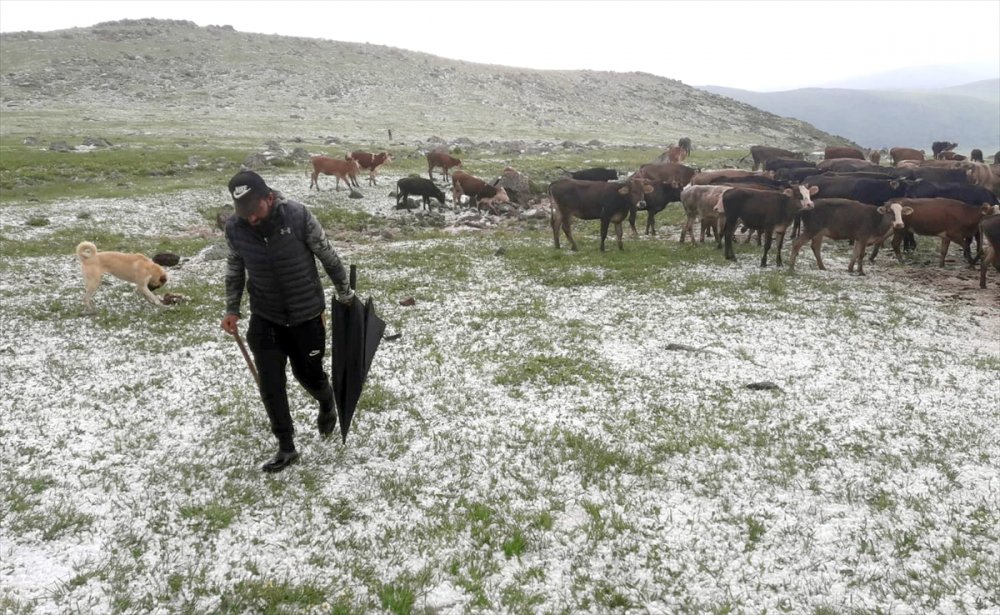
x=247 y=188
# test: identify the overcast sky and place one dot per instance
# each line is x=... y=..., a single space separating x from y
x=751 y=45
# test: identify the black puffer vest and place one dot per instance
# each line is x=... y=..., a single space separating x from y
x=282 y=278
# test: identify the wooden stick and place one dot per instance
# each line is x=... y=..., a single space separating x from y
x=246 y=355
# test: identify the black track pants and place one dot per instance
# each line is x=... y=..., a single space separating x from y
x=273 y=346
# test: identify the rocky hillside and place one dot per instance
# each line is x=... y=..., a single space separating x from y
x=176 y=79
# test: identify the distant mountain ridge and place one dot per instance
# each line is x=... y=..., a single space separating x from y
x=176 y=79
x=967 y=114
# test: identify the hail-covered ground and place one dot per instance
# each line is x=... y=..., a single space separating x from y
x=525 y=446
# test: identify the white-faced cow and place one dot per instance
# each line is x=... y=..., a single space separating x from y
x=764 y=211
x=859 y=222
x=609 y=202
x=948 y=219
x=371 y=162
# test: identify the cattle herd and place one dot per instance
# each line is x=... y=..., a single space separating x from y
x=845 y=196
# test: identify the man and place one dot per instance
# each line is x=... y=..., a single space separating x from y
x=273 y=247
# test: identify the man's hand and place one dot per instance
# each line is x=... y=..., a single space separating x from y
x=229 y=322
x=346 y=298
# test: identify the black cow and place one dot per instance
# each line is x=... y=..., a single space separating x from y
x=594 y=200
x=967 y=193
x=656 y=201
x=940 y=174
x=419 y=186
x=990 y=230
x=787 y=163
x=596 y=174
x=764 y=211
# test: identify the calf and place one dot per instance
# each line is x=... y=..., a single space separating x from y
x=596 y=174
x=443 y=160
x=702 y=202
x=764 y=211
x=843 y=152
x=346 y=169
x=763 y=153
x=371 y=162
x=588 y=200
x=948 y=219
x=674 y=153
x=656 y=201
x=475 y=188
x=861 y=223
x=419 y=186
x=990 y=229
x=875 y=157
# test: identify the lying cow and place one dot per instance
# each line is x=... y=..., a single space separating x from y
x=764 y=211
x=948 y=219
x=701 y=202
x=425 y=188
x=990 y=228
x=596 y=174
x=346 y=169
x=609 y=202
x=859 y=222
x=476 y=189
x=371 y=162
x=440 y=159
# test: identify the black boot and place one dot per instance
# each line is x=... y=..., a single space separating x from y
x=327 y=418
x=281 y=460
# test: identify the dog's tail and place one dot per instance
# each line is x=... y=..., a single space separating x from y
x=85 y=250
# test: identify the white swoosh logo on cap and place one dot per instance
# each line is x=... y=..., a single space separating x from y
x=239 y=191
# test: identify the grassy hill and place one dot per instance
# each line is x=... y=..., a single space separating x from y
x=176 y=79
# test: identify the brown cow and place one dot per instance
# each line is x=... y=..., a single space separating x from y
x=950 y=155
x=763 y=153
x=443 y=160
x=346 y=169
x=476 y=189
x=875 y=157
x=588 y=200
x=666 y=172
x=948 y=219
x=990 y=228
x=700 y=202
x=764 y=211
x=864 y=224
x=371 y=162
x=843 y=152
x=898 y=154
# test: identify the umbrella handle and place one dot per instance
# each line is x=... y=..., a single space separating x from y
x=246 y=356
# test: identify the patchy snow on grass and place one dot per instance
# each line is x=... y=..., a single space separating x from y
x=523 y=447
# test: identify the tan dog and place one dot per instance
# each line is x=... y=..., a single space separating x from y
x=135 y=268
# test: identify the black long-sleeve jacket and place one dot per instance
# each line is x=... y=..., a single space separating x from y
x=276 y=263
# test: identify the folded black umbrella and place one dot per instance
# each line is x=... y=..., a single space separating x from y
x=356 y=331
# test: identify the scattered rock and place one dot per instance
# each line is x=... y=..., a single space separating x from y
x=355 y=194
x=59 y=146
x=408 y=302
x=174 y=299
x=166 y=259
x=763 y=386
x=222 y=217
x=500 y=251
